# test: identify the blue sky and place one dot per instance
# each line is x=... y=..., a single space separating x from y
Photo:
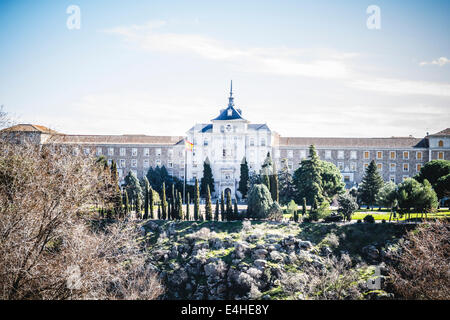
x=306 y=68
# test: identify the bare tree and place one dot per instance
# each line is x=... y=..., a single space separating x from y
x=51 y=248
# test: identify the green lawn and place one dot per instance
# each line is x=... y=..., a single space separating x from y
x=380 y=215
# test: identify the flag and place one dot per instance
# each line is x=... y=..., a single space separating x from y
x=188 y=145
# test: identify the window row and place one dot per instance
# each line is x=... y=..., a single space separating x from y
x=393 y=167
x=122 y=163
x=340 y=154
x=111 y=151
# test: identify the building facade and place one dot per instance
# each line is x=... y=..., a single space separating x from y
x=229 y=138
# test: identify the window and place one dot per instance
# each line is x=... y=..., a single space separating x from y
x=87 y=151
x=230 y=112
x=366 y=154
x=158 y=162
x=392 y=167
x=224 y=153
x=352 y=166
x=76 y=151
x=110 y=151
x=170 y=164
x=405 y=155
x=392 y=155
x=441 y=143
x=252 y=142
x=134 y=163
x=290 y=153
x=158 y=152
x=222 y=129
x=170 y=153
x=392 y=178
x=290 y=165
x=418 y=167
x=134 y=152
x=146 y=152
x=205 y=142
x=146 y=163
x=263 y=142
x=366 y=165
x=379 y=154
x=327 y=154
x=380 y=166
x=302 y=154
x=353 y=155
x=340 y=154
x=340 y=166
x=123 y=152
x=99 y=151
x=440 y=155
x=405 y=177
x=122 y=163
x=346 y=178
x=109 y=162
x=406 y=167
x=419 y=155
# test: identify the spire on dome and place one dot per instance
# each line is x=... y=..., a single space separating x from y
x=230 y=99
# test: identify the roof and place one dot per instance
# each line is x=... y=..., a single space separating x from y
x=26 y=127
x=393 y=142
x=445 y=132
x=258 y=126
x=114 y=139
x=224 y=115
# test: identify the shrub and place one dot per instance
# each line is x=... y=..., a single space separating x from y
x=333 y=217
x=275 y=212
x=369 y=219
x=259 y=202
x=358 y=221
x=420 y=267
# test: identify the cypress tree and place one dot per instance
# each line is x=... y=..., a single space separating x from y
x=265 y=171
x=146 y=197
x=196 y=200
x=208 y=206
x=173 y=204
x=222 y=206
x=163 y=202
x=180 y=213
x=304 y=207
x=235 y=210
x=274 y=183
x=188 y=204
x=138 y=206
x=117 y=194
x=229 y=206
x=151 y=204
x=243 y=181
x=216 y=215
x=126 y=202
x=159 y=211
x=207 y=179
x=370 y=185
x=169 y=210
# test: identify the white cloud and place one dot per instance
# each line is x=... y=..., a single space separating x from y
x=442 y=61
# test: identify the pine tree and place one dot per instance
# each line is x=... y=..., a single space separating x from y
x=163 y=202
x=229 y=211
x=286 y=184
x=134 y=189
x=207 y=179
x=146 y=197
x=188 y=205
x=216 y=214
x=196 y=200
x=370 y=185
x=222 y=206
x=274 y=183
x=307 y=178
x=208 y=206
x=243 y=182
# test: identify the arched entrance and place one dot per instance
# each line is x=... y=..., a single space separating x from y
x=226 y=191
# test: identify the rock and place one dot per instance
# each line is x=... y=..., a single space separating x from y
x=215 y=269
x=371 y=252
x=325 y=251
x=305 y=244
x=275 y=256
x=254 y=272
x=178 y=278
x=260 y=253
x=260 y=263
x=161 y=254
